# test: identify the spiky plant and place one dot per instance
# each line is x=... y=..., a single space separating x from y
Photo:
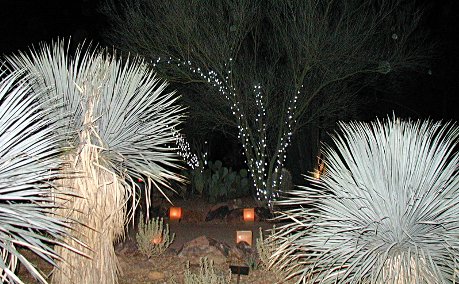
x=385 y=211
x=121 y=121
x=29 y=165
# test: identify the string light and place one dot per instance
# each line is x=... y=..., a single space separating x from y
x=184 y=151
x=266 y=184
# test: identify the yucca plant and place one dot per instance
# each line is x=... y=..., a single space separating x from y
x=385 y=211
x=29 y=163
x=121 y=123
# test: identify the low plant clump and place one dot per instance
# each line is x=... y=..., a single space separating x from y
x=153 y=237
x=206 y=275
x=266 y=247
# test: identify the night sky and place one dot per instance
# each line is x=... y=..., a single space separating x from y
x=26 y=22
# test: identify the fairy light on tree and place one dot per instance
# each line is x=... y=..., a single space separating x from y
x=276 y=65
x=184 y=150
x=254 y=145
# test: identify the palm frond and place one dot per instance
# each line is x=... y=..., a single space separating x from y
x=386 y=210
x=28 y=166
x=134 y=116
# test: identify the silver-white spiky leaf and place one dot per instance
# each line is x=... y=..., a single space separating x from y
x=29 y=163
x=135 y=116
x=385 y=211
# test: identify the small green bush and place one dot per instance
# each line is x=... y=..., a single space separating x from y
x=207 y=274
x=153 y=237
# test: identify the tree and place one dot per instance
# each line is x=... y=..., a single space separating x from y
x=120 y=122
x=279 y=65
x=29 y=162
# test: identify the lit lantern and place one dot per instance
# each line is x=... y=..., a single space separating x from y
x=157 y=240
x=249 y=214
x=245 y=236
x=175 y=213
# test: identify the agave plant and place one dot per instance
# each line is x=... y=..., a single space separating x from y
x=121 y=123
x=29 y=162
x=385 y=211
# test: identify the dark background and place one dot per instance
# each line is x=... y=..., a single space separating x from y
x=435 y=95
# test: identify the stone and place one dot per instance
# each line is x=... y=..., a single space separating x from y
x=218 y=205
x=192 y=216
x=245 y=248
x=241 y=252
x=235 y=216
x=204 y=246
x=218 y=213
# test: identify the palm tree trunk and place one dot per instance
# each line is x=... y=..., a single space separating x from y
x=99 y=212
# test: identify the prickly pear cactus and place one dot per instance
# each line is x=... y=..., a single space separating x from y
x=222 y=183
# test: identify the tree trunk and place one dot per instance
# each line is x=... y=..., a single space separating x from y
x=98 y=210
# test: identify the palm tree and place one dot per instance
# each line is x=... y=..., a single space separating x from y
x=385 y=211
x=29 y=162
x=121 y=123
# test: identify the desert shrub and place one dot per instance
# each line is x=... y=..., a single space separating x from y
x=153 y=237
x=385 y=211
x=252 y=261
x=266 y=247
x=207 y=274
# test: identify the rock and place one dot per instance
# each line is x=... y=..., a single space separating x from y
x=218 y=205
x=191 y=216
x=156 y=275
x=235 y=216
x=241 y=251
x=218 y=213
x=245 y=248
x=170 y=252
x=204 y=246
